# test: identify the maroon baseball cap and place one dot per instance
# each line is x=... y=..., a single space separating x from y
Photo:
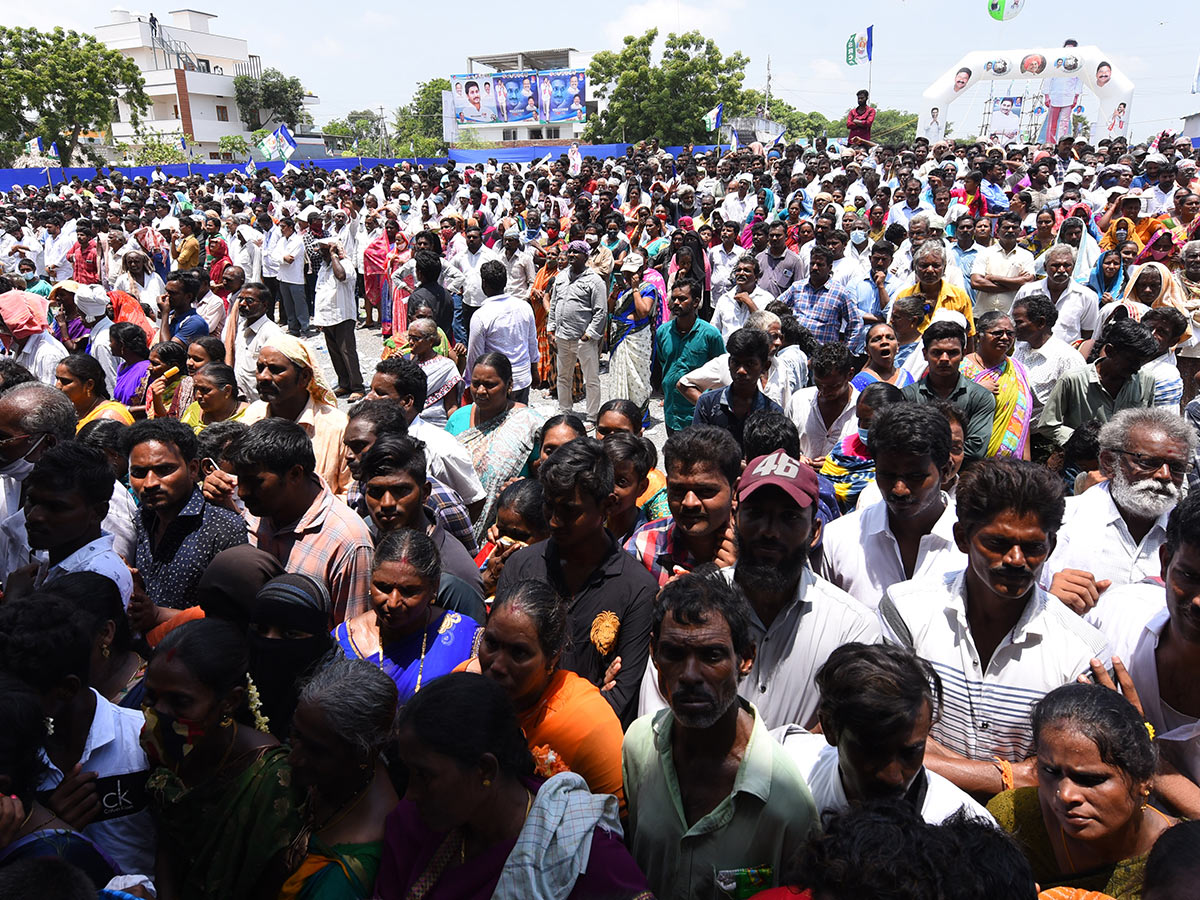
x=798 y=480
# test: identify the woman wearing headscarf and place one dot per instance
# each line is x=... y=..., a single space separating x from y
x=383 y=256
x=289 y=635
x=216 y=260
x=1108 y=277
x=1120 y=231
x=1073 y=232
x=24 y=331
x=126 y=308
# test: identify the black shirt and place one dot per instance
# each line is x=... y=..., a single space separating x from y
x=435 y=297
x=173 y=568
x=609 y=617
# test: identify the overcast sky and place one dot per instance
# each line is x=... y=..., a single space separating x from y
x=356 y=56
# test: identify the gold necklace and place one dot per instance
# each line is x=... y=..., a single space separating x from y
x=424 y=646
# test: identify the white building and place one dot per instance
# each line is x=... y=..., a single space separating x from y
x=189 y=74
x=564 y=58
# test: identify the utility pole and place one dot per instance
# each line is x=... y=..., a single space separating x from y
x=382 y=130
x=767 y=97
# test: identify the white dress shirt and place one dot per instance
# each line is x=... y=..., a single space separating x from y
x=100 y=349
x=334 y=302
x=986 y=705
x=448 y=461
x=1078 y=309
x=993 y=260
x=817 y=761
x=781 y=683
x=1095 y=538
x=289 y=272
x=248 y=339
x=506 y=325
x=41 y=355
x=816 y=440
x=1045 y=366
x=469 y=264
x=124 y=828
x=860 y=554
x=721 y=262
x=95 y=556
x=729 y=315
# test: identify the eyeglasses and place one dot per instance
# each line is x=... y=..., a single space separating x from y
x=1152 y=464
x=1001 y=333
x=8 y=441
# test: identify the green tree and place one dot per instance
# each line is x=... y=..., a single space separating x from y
x=358 y=125
x=417 y=126
x=279 y=96
x=796 y=124
x=233 y=145
x=668 y=100
x=58 y=84
x=153 y=148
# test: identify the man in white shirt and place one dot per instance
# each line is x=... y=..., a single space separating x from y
x=740 y=202
x=831 y=400
x=732 y=310
x=1078 y=308
x=799 y=618
x=505 y=325
x=58 y=244
x=519 y=263
x=878 y=703
x=288 y=256
x=248 y=331
x=998 y=641
x=469 y=262
x=1001 y=269
x=1045 y=356
x=335 y=312
x=66 y=501
x=92 y=303
x=1112 y=532
x=911 y=533
x=722 y=258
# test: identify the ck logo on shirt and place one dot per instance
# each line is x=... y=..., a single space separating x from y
x=120 y=795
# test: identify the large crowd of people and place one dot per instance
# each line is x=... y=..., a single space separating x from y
x=905 y=605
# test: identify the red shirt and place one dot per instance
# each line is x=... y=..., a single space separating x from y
x=859 y=124
x=87 y=270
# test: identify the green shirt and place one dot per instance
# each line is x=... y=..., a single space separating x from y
x=678 y=355
x=974 y=400
x=746 y=840
x=1079 y=397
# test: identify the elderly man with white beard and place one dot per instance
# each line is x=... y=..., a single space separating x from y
x=1112 y=532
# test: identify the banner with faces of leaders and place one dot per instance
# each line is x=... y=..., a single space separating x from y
x=1067 y=75
x=547 y=96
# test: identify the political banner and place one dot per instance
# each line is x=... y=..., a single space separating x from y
x=1005 y=125
x=474 y=99
x=859 y=46
x=562 y=94
x=516 y=96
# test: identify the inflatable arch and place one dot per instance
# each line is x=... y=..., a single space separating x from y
x=1094 y=70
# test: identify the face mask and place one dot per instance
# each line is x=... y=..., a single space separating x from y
x=862 y=434
x=592 y=239
x=20 y=468
x=168 y=740
x=858 y=237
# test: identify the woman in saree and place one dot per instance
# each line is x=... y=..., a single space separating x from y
x=127 y=308
x=1108 y=277
x=1188 y=278
x=220 y=788
x=216 y=261
x=635 y=319
x=1183 y=220
x=340 y=727
x=881 y=359
x=990 y=365
x=81 y=378
x=404 y=634
x=382 y=257
x=168 y=395
x=1043 y=236
x=128 y=344
x=480 y=824
x=850 y=465
x=1088 y=824
x=1119 y=231
x=499 y=433
x=1073 y=233
x=539 y=298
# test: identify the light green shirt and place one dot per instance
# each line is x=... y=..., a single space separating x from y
x=747 y=839
x=1079 y=397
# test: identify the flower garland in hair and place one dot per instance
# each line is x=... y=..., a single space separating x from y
x=255 y=703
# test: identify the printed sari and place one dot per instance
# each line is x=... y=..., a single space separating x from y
x=850 y=467
x=343 y=871
x=633 y=347
x=380 y=260
x=1010 y=426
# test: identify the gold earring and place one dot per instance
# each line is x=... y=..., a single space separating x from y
x=104 y=651
x=487 y=782
x=226 y=720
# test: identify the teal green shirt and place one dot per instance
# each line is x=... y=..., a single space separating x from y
x=678 y=354
x=743 y=843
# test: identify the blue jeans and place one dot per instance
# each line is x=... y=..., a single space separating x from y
x=295 y=306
